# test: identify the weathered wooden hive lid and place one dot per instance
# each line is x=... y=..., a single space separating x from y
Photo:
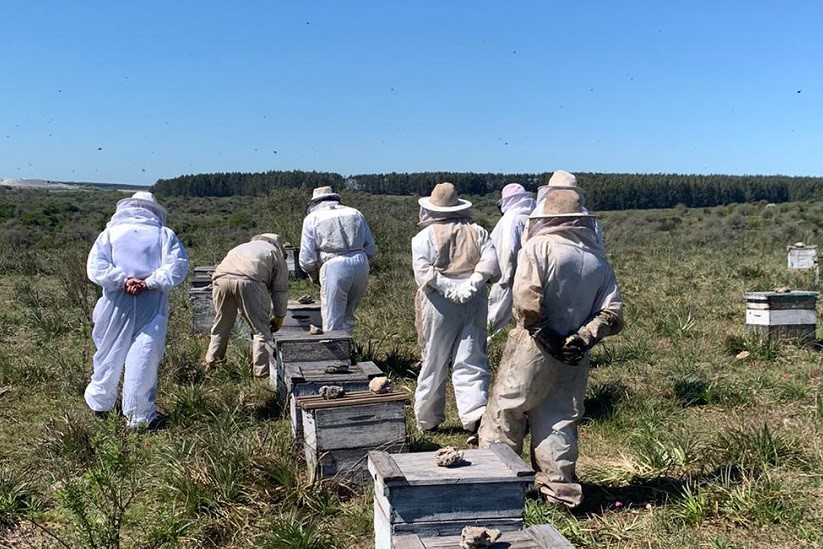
x=304 y=336
x=357 y=398
x=792 y=295
x=495 y=464
x=204 y=269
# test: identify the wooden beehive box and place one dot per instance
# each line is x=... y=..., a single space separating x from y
x=412 y=495
x=339 y=433
x=292 y=261
x=782 y=314
x=802 y=257
x=540 y=536
x=302 y=316
x=306 y=378
x=202 y=309
x=301 y=346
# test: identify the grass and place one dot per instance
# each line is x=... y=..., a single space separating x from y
x=686 y=442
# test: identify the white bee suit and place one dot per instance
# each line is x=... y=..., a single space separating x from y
x=507 y=236
x=130 y=331
x=335 y=247
x=448 y=255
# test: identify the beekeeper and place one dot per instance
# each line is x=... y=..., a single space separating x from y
x=565 y=301
x=515 y=204
x=453 y=258
x=136 y=260
x=253 y=279
x=335 y=247
x=564 y=180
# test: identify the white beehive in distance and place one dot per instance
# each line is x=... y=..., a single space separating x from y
x=802 y=256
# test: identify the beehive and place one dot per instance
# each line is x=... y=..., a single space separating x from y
x=412 y=495
x=302 y=316
x=786 y=314
x=801 y=257
x=339 y=433
x=299 y=346
x=541 y=536
x=306 y=378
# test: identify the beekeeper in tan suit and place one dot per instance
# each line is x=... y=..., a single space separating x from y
x=253 y=279
x=565 y=301
x=453 y=258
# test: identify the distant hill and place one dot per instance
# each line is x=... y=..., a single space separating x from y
x=48 y=185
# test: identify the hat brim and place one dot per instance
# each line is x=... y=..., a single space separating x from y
x=153 y=207
x=425 y=202
x=517 y=195
x=330 y=196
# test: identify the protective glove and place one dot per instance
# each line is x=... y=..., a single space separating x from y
x=548 y=340
x=469 y=288
x=276 y=322
x=573 y=350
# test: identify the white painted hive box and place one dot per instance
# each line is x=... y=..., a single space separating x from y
x=788 y=314
x=802 y=257
x=339 y=433
x=412 y=495
x=541 y=536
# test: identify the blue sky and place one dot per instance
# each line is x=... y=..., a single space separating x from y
x=129 y=92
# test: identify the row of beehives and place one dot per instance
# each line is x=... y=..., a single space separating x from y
x=361 y=438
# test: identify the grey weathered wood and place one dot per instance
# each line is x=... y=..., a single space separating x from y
x=542 y=536
x=302 y=315
x=348 y=465
x=202 y=310
x=306 y=378
x=382 y=466
x=416 y=496
x=316 y=402
x=511 y=460
x=484 y=466
x=549 y=537
x=407 y=542
x=365 y=425
x=337 y=440
x=301 y=346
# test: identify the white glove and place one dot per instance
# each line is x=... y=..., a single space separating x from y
x=469 y=288
x=453 y=294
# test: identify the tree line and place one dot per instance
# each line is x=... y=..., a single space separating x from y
x=604 y=191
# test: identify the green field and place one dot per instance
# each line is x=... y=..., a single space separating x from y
x=684 y=444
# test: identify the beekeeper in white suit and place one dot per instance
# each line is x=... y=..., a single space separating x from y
x=515 y=204
x=335 y=247
x=136 y=260
x=453 y=258
x=564 y=180
x=565 y=301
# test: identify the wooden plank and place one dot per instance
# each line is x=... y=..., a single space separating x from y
x=547 y=536
x=373 y=429
x=507 y=540
x=348 y=465
x=409 y=542
x=311 y=350
x=382 y=465
x=488 y=501
x=511 y=460
x=482 y=465
x=454 y=527
x=316 y=402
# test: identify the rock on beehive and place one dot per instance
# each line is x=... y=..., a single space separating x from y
x=448 y=457
x=380 y=385
x=476 y=537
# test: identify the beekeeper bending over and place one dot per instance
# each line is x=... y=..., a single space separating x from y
x=136 y=260
x=335 y=247
x=565 y=301
x=253 y=278
x=516 y=204
x=453 y=259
